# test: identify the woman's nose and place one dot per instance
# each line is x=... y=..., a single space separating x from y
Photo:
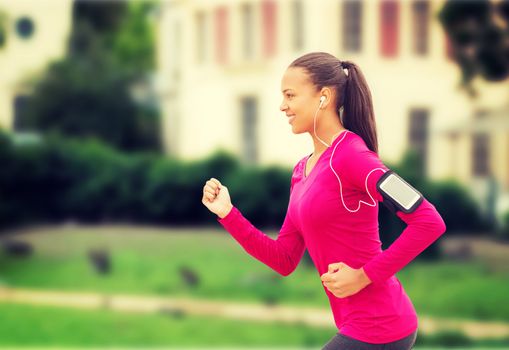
x=283 y=107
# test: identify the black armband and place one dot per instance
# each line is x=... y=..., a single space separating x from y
x=397 y=193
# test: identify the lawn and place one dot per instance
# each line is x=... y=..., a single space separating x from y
x=50 y=326
x=148 y=261
x=42 y=326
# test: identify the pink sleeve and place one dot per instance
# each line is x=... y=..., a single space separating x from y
x=424 y=225
x=282 y=254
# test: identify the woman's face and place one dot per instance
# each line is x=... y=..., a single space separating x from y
x=300 y=99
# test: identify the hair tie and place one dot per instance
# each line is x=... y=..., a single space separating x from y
x=345 y=67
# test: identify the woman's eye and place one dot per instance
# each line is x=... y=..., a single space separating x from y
x=289 y=95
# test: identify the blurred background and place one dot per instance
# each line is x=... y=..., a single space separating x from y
x=113 y=114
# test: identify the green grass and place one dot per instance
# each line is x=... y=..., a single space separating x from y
x=43 y=326
x=23 y=325
x=467 y=290
x=147 y=262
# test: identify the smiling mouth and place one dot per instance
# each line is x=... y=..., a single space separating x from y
x=290 y=119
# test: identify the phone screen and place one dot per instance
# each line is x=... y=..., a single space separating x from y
x=400 y=191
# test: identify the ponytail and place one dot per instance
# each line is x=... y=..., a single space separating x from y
x=358 y=114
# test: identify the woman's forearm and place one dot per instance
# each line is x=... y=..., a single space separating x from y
x=282 y=254
x=425 y=226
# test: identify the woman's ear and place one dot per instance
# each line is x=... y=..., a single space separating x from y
x=327 y=94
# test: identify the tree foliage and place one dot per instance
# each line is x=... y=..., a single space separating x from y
x=89 y=93
x=478 y=32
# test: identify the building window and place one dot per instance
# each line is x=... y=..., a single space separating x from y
x=449 y=51
x=352 y=25
x=480 y=154
x=20 y=108
x=269 y=14
x=221 y=17
x=247 y=13
x=389 y=27
x=177 y=42
x=421 y=18
x=481 y=149
x=249 y=129
x=25 y=27
x=418 y=134
x=3 y=29
x=298 y=25
x=200 y=36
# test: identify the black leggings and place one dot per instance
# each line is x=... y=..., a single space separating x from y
x=343 y=342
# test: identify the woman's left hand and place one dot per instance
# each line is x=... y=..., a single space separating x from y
x=343 y=281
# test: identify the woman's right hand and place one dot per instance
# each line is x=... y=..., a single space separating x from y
x=216 y=198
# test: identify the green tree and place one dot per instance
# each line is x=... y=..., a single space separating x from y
x=90 y=92
x=479 y=36
x=89 y=98
x=122 y=29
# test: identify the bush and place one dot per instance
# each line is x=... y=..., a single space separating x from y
x=85 y=180
x=31 y=184
x=261 y=194
x=457 y=207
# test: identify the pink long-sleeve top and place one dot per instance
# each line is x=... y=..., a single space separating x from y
x=333 y=230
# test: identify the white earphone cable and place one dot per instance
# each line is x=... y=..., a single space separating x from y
x=337 y=176
x=314 y=125
x=341 y=185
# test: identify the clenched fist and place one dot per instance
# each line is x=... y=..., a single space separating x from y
x=216 y=198
x=343 y=280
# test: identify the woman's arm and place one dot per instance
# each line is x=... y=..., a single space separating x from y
x=282 y=254
x=424 y=225
x=361 y=168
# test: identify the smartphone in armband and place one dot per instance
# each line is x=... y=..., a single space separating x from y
x=398 y=192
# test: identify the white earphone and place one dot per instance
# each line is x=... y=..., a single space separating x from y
x=322 y=100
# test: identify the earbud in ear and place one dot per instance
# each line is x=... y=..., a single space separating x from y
x=322 y=99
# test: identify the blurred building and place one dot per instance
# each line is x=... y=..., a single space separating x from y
x=33 y=34
x=477 y=147
x=220 y=65
x=221 y=62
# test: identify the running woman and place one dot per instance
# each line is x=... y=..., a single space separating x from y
x=333 y=208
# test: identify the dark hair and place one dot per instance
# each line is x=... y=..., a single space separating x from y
x=352 y=92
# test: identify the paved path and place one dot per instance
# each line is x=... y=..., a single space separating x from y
x=314 y=317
